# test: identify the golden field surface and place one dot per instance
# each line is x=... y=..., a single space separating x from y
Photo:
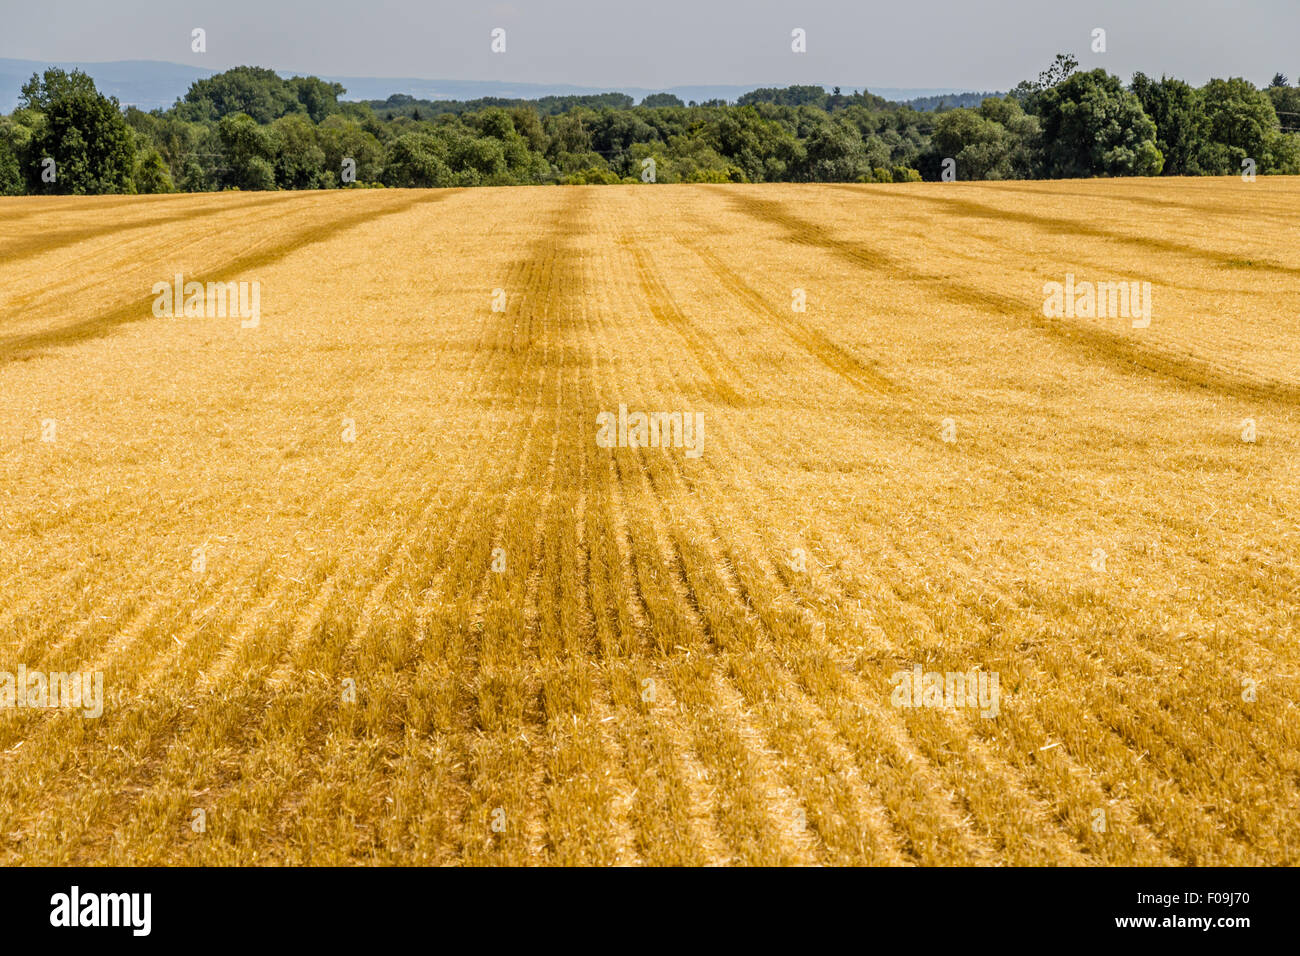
x=474 y=635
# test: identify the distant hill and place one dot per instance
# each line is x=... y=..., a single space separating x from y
x=151 y=84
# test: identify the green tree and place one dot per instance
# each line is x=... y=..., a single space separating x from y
x=251 y=90
x=152 y=175
x=529 y=125
x=342 y=139
x=82 y=131
x=502 y=127
x=570 y=133
x=42 y=91
x=414 y=161
x=1025 y=132
x=474 y=161
x=763 y=150
x=788 y=96
x=11 y=176
x=997 y=141
x=614 y=131
x=299 y=161
x=318 y=98
x=1242 y=124
x=1286 y=103
x=1060 y=70
x=835 y=155
x=1181 y=124
x=249 y=151
x=658 y=100
x=1092 y=126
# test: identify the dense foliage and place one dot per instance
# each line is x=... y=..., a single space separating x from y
x=249 y=128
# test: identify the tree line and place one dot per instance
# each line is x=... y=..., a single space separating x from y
x=249 y=128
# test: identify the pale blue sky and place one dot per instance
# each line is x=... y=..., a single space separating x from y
x=662 y=43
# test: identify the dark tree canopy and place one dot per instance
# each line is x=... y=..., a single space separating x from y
x=1092 y=126
x=1178 y=112
x=79 y=142
x=250 y=128
x=259 y=93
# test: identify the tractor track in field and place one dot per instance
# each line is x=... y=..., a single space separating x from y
x=720 y=370
x=1065 y=228
x=773 y=631
x=811 y=339
x=30 y=345
x=259 y=626
x=1117 y=351
x=1220 y=208
x=14 y=252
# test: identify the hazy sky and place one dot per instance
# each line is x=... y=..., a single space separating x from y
x=661 y=43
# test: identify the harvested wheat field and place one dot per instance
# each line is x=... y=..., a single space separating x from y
x=379 y=575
